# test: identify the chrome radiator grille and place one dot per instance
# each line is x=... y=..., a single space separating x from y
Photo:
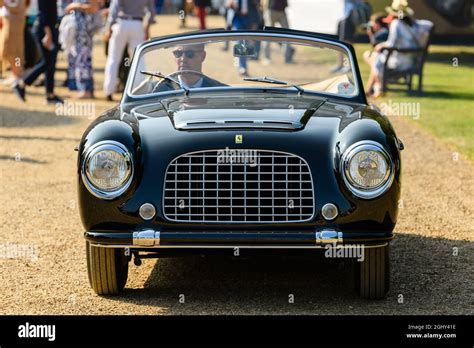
x=238 y=186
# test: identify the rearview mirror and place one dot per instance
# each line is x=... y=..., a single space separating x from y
x=245 y=49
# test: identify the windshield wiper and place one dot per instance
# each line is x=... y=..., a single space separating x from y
x=167 y=78
x=266 y=79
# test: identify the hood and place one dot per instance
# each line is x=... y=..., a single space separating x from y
x=310 y=126
x=242 y=112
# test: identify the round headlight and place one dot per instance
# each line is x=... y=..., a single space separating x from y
x=108 y=169
x=367 y=169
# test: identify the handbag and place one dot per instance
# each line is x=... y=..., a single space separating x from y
x=67 y=32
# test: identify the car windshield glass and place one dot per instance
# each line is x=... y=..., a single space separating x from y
x=242 y=60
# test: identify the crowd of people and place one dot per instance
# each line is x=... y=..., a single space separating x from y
x=70 y=26
x=253 y=15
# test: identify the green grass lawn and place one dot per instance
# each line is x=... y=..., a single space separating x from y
x=447 y=102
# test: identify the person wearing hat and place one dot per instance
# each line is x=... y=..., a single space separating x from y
x=399 y=8
x=403 y=34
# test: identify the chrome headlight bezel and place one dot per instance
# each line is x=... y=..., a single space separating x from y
x=101 y=146
x=358 y=190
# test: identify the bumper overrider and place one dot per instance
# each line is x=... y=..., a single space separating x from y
x=155 y=239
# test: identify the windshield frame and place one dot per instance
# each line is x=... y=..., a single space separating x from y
x=304 y=37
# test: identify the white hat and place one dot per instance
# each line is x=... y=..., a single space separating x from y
x=400 y=7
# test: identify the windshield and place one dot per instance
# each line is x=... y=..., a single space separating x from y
x=243 y=60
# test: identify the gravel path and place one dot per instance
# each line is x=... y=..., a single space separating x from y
x=432 y=254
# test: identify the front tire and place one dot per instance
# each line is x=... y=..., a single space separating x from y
x=107 y=269
x=372 y=276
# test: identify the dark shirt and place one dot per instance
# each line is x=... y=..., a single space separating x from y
x=202 y=3
x=47 y=13
x=252 y=17
x=379 y=36
x=278 y=5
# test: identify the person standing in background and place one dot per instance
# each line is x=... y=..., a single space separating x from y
x=125 y=28
x=229 y=18
x=32 y=51
x=247 y=15
x=12 y=43
x=183 y=13
x=159 y=4
x=273 y=13
x=346 y=32
x=88 y=22
x=46 y=33
x=124 y=67
x=201 y=6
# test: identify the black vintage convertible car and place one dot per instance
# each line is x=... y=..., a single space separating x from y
x=240 y=140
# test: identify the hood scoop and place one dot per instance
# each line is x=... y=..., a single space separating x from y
x=239 y=124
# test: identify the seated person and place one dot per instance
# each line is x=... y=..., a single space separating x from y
x=403 y=33
x=377 y=30
x=189 y=60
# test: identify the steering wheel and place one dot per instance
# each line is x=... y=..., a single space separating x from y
x=176 y=73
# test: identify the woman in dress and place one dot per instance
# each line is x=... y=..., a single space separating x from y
x=88 y=22
x=12 y=49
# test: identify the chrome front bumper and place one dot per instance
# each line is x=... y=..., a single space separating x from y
x=153 y=239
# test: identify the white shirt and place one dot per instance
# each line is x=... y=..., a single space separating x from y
x=401 y=35
x=198 y=83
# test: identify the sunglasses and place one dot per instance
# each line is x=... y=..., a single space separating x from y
x=187 y=54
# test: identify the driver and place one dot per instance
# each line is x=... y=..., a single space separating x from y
x=189 y=60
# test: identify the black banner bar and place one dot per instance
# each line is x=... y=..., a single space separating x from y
x=107 y=330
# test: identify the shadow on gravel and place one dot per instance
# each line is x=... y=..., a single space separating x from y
x=431 y=275
x=10 y=117
x=23 y=159
x=27 y=137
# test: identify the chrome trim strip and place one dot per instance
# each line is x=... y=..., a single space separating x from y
x=148 y=238
x=286 y=155
x=263 y=34
x=111 y=145
x=328 y=237
x=358 y=191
